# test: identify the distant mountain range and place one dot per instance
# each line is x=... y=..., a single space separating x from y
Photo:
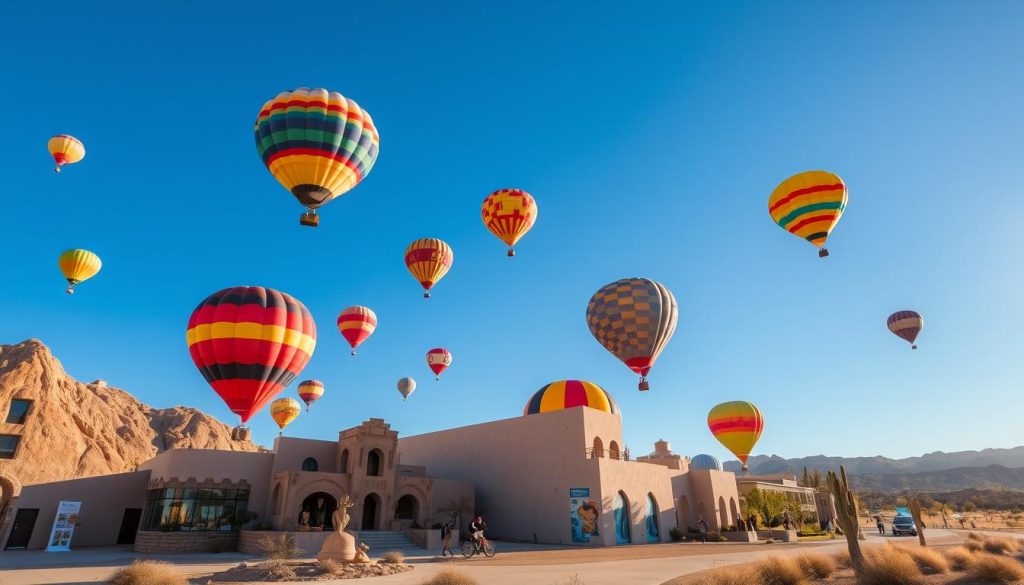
x=938 y=471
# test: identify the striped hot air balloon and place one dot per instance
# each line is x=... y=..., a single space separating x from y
x=634 y=319
x=65 y=150
x=565 y=394
x=906 y=325
x=317 y=143
x=809 y=205
x=356 y=325
x=310 y=391
x=250 y=342
x=284 y=411
x=738 y=426
x=78 y=265
x=509 y=214
x=428 y=260
x=438 y=360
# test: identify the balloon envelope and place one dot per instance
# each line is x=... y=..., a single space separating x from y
x=634 y=319
x=284 y=411
x=78 y=265
x=428 y=260
x=906 y=325
x=509 y=214
x=738 y=426
x=356 y=325
x=406 y=386
x=310 y=391
x=65 y=149
x=438 y=360
x=565 y=394
x=809 y=205
x=249 y=343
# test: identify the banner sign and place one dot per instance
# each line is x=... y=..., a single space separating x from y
x=63 y=526
x=584 y=515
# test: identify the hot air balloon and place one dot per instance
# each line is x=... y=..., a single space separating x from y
x=406 y=386
x=738 y=426
x=633 y=318
x=310 y=391
x=438 y=359
x=809 y=205
x=317 y=143
x=428 y=260
x=66 y=150
x=78 y=265
x=284 y=411
x=509 y=214
x=907 y=325
x=250 y=342
x=356 y=325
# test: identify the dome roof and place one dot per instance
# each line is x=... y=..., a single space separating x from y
x=565 y=394
x=703 y=461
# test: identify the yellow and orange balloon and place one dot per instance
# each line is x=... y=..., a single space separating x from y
x=509 y=214
x=65 y=150
x=809 y=205
x=428 y=260
x=78 y=265
x=284 y=411
x=738 y=426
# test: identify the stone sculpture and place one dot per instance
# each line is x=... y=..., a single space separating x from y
x=340 y=546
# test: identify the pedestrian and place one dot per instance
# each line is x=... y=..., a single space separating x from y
x=446 y=538
x=752 y=520
x=881 y=525
x=704 y=527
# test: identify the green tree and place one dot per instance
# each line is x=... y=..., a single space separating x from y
x=816 y=479
x=805 y=480
x=970 y=507
x=796 y=510
x=767 y=504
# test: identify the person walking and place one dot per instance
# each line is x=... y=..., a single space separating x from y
x=446 y=539
x=704 y=527
x=880 y=525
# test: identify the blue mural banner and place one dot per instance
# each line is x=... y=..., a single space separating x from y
x=584 y=514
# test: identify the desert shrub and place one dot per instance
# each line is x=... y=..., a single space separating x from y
x=999 y=545
x=279 y=547
x=990 y=568
x=888 y=565
x=928 y=559
x=816 y=565
x=279 y=570
x=675 y=534
x=451 y=577
x=328 y=566
x=959 y=558
x=728 y=576
x=842 y=560
x=975 y=536
x=394 y=557
x=148 y=573
x=574 y=579
x=778 y=570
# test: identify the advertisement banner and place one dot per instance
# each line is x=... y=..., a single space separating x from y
x=63 y=526
x=584 y=514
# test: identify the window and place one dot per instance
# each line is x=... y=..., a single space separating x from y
x=598 y=448
x=373 y=463
x=344 y=461
x=18 y=411
x=310 y=464
x=194 y=509
x=8 y=446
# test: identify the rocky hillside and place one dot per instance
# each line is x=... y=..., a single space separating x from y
x=76 y=430
x=937 y=461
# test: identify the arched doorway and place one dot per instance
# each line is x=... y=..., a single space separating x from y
x=598 y=447
x=276 y=506
x=651 y=529
x=683 y=514
x=407 y=508
x=373 y=463
x=613 y=450
x=317 y=511
x=370 y=506
x=735 y=511
x=622 y=519
x=723 y=514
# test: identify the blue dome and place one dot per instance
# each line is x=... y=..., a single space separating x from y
x=705 y=462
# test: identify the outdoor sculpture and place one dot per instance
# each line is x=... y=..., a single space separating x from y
x=340 y=545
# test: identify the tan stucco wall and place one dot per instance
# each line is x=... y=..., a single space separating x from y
x=290 y=452
x=635 y=480
x=104 y=499
x=712 y=491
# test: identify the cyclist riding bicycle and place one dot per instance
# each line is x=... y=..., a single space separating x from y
x=476 y=532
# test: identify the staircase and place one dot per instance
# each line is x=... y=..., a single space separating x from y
x=382 y=541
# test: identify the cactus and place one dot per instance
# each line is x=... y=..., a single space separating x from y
x=915 y=511
x=846 y=515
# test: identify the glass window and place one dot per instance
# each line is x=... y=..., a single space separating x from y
x=310 y=464
x=194 y=509
x=18 y=412
x=8 y=445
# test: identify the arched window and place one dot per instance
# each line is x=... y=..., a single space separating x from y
x=373 y=463
x=734 y=511
x=621 y=510
x=613 y=450
x=723 y=514
x=277 y=499
x=407 y=508
x=651 y=523
x=310 y=464
x=598 y=448
x=344 y=461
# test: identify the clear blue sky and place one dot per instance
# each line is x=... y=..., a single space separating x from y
x=651 y=138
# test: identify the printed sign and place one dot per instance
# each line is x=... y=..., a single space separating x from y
x=63 y=526
x=584 y=514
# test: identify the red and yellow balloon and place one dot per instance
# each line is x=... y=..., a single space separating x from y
x=509 y=214
x=356 y=325
x=310 y=391
x=428 y=260
x=738 y=426
x=78 y=265
x=284 y=411
x=809 y=205
x=65 y=150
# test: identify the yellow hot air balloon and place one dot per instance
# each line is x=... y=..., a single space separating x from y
x=428 y=260
x=738 y=426
x=809 y=205
x=284 y=411
x=78 y=265
x=65 y=149
x=509 y=214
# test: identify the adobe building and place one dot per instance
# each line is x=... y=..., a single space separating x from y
x=555 y=475
x=818 y=505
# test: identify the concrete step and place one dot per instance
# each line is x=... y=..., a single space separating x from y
x=382 y=540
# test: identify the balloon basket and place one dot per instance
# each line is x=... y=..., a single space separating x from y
x=353 y=352
x=70 y=290
x=913 y=347
x=643 y=386
x=822 y=253
x=511 y=253
x=310 y=219
x=240 y=433
x=56 y=169
x=426 y=295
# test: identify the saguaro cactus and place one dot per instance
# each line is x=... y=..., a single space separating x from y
x=846 y=515
x=915 y=511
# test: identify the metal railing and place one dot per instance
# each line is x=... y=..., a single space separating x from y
x=607 y=453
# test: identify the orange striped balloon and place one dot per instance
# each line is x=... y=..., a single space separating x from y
x=310 y=391
x=428 y=260
x=65 y=149
x=809 y=205
x=738 y=426
x=356 y=325
x=284 y=411
x=509 y=214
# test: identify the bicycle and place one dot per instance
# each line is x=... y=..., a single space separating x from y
x=470 y=548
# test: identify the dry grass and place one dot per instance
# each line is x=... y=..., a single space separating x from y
x=778 y=570
x=394 y=557
x=451 y=577
x=279 y=570
x=149 y=573
x=1000 y=545
x=816 y=565
x=975 y=536
x=842 y=560
x=728 y=576
x=888 y=565
x=990 y=568
x=328 y=566
x=279 y=547
x=959 y=558
x=928 y=559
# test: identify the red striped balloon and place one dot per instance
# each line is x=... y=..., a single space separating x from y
x=310 y=391
x=356 y=325
x=250 y=342
x=906 y=325
x=438 y=359
x=738 y=426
